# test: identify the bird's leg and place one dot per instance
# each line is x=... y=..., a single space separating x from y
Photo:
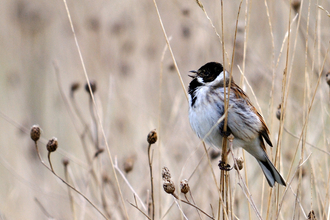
x=223 y=166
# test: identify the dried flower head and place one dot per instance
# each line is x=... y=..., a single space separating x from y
x=278 y=112
x=185 y=12
x=92 y=83
x=52 y=145
x=129 y=164
x=327 y=78
x=105 y=178
x=65 y=161
x=296 y=5
x=152 y=137
x=35 y=132
x=166 y=175
x=98 y=152
x=169 y=186
x=214 y=154
x=74 y=87
x=311 y=215
x=184 y=186
x=239 y=161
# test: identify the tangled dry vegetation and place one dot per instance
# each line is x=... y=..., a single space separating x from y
x=123 y=147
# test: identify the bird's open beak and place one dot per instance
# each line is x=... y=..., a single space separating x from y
x=193 y=71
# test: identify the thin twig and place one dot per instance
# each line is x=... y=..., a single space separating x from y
x=170 y=49
x=135 y=206
x=245 y=189
x=188 y=203
x=128 y=184
x=66 y=175
x=43 y=209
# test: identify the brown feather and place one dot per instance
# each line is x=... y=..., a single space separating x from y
x=239 y=93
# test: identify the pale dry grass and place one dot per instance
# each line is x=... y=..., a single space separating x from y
x=138 y=90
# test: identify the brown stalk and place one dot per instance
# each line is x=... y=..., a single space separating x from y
x=152 y=183
x=66 y=175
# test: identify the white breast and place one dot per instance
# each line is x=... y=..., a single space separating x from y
x=204 y=115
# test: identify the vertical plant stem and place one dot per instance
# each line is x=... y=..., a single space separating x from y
x=224 y=140
x=152 y=184
x=50 y=162
x=73 y=208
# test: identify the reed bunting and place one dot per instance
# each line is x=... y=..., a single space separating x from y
x=206 y=107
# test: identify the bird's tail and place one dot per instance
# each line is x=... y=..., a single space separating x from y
x=271 y=173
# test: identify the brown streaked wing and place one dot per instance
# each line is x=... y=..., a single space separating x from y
x=264 y=131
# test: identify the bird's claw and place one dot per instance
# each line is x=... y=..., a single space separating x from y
x=223 y=166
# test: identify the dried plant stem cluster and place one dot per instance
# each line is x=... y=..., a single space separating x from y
x=51 y=147
x=169 y=188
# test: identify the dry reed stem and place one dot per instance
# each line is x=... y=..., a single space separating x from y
x=246 y=35
x=159 y=121
x=73 y=208
x=188 y=203
x=289 y=186
x=310 y=107
x=70 y=111
x=86 y=129
x=170 y=49
x=151 y=182
x=223 y=187
x=212 y=25
x=287 y=89
x=43 y=209
x=128 y=184
x=245 y=188
x=193 y=202
x=136 y=206
x=98 y=117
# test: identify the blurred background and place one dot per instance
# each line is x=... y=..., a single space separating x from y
x=138 y=90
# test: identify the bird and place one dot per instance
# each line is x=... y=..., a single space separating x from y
x=206 y=106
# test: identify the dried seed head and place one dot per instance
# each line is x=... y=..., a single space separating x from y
x=296 y=4
x=214 y=154
x=129 y=164
x=35 y=132
x=105 y=178
x=98 y=152
x=169 y=186
x=278 y=112
x=92 y=83
x=184 y=186
x=185 y=12
x=166 y=175
x=327 y=78
x=152 y=137
x=311 y=215
x=52 y=145
x=239 y=162
x=74 y=87
x=65 y=161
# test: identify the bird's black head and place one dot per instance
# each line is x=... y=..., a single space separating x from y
x=208 y=72
x=204 y=75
